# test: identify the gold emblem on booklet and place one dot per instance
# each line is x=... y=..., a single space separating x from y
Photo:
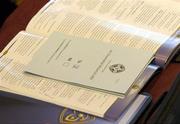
x=73 y=117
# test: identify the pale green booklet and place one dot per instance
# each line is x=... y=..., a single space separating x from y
x=88 y=63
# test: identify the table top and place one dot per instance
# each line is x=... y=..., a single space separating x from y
x=19 y=19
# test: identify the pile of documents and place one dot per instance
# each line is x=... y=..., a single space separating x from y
x=94 y=59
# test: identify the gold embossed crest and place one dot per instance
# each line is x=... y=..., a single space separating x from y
x=73 y=117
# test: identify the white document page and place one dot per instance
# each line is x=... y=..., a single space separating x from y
x=158 y=16
x=86 y=25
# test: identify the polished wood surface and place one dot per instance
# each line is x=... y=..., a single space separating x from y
x=19 y=19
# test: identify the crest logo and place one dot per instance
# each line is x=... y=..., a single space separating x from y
x=117 y=68
x=73 y=117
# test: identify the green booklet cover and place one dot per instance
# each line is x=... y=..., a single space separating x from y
x=88 y=63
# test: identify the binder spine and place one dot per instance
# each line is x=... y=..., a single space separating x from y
x=168 y=50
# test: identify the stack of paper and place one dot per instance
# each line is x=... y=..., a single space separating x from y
x=101 y=57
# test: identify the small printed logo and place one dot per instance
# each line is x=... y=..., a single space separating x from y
x=117 y=68
x=73 y=117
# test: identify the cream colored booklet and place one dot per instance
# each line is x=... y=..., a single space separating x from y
x=88 y=63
